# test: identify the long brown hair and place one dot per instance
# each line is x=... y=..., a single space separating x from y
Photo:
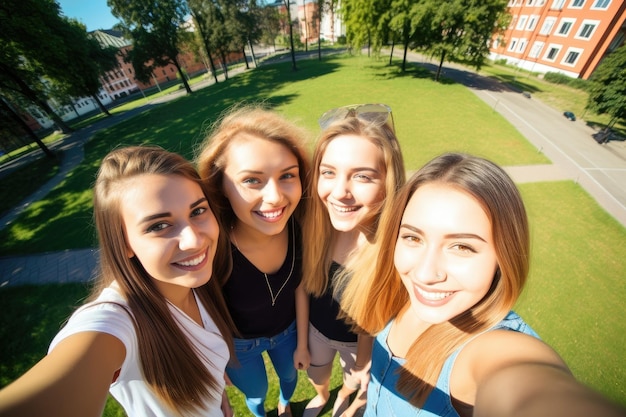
x=379 y=296
x=169 y=362
x=238 y=124
x=317 y=229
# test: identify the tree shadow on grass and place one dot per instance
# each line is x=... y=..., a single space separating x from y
x=63 y=220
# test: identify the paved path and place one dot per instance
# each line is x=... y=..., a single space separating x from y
x=600 y=169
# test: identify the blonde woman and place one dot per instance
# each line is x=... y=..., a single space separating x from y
x=357 y=163
x=256 y=166
x=450 y=261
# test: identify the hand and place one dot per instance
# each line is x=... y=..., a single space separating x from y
x=301 y=359
x=362 y=374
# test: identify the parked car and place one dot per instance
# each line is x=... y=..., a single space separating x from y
x=570 y=116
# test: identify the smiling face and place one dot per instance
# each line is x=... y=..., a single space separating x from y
x=262 y=184
x=445 y=253
x=170 y=228
x=351 y=181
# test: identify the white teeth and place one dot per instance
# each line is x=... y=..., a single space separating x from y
x=345 y=209
x=433 y=296
x=270 y=214
x=194 y=261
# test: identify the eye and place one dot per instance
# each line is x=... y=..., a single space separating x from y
x=288 y=176
x=198 y=211
x=327 y=173
x=410 y=239
x=157 y=227
x=363 y=178
x=461 y=247
x=251 y=181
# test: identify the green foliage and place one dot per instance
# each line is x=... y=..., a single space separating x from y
x=156 y=29
x=607 y=92
x=560 y=78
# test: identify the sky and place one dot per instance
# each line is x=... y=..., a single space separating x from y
x=95 y=14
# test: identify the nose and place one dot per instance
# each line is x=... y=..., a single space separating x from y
x=191 y=237
x=272 y=193
x=341 y=189
x=430 y=266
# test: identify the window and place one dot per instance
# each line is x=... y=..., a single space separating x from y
x=558 y=4
x=521 y=22
x=548 y=24
x=553 y=52
x=587 y=29
x=572 y=56
x=512 y=44
x=532 y=22
x=522 y=45
x=565 y=27
x=577 y=4
x=535 y=51
x=601 y=4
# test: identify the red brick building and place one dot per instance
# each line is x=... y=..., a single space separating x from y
x=566 y=36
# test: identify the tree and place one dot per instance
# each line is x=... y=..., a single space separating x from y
x=89 y=62
x=269 y=23
x=459 y=30
x=607 y=91
x=156 y=29
x=290 y=23
x=32 y=50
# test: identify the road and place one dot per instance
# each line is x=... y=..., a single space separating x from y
x=599 y=169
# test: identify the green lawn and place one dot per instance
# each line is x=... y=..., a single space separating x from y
x=576 y=287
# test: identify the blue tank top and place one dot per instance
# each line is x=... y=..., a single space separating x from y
x=383 y=398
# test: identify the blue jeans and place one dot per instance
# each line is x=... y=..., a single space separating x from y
x=250 y=375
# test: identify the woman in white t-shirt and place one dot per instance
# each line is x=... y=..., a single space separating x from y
x=156 y=332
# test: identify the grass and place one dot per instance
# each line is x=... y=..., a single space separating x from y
x=23 y=182
x=575 y=289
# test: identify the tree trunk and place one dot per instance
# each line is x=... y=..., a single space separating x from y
x=182 y=76
x=224 y=65
x=393 y=43
x=245 y=58
x=102 y=108
x=319 y=37
x=27 y=128
x=443 y=56
x=252 y=52
x=293 y=51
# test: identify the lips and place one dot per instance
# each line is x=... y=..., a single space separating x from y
x=344 y=209
x=195 y=262
x=271 y=215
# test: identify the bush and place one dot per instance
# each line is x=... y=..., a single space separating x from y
x=560 y=78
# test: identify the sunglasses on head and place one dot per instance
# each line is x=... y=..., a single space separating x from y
x=374 y=113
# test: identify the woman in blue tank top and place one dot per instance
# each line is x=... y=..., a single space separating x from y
x=437 y=288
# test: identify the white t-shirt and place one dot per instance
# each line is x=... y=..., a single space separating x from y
x=130 y=389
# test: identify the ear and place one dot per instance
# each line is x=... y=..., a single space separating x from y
x=129 y=252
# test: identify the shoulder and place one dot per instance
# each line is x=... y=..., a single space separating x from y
x=108 y=314
x=491 y=352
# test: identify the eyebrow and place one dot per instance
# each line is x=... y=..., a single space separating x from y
x=355 y=169
x=252 y=171
x=168 y=214
x=448 y=236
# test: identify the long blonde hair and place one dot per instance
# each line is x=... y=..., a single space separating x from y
x=317 y=229
x=238 y=123
x=169 y=362
x=378 y=295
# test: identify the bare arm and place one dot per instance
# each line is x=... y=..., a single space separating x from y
x=540 y=390
x=301 y=357
x=520 y=376
x=73 y=380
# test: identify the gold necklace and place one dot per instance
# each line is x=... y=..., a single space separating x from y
x=267 y=281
